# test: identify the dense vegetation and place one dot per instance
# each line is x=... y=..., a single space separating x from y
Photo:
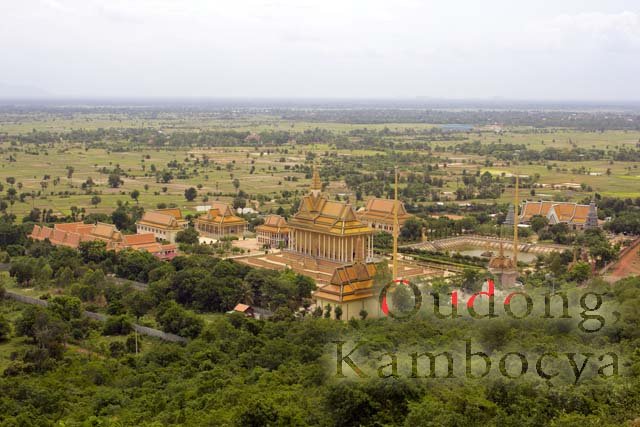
x=246 y=372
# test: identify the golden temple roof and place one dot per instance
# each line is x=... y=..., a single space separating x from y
x=349 y=283
x=383 y=210
x=169 y=219
x=222 y=213
x=564 y=211
x=318 y=213
x=274 y=224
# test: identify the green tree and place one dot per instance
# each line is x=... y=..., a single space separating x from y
x=46 y=330
x=189 y=236
x=64 y=276
x=190 y=194
x=24 y=269
x=65 y=307
x=95 y=200
x=138 y=303
x=401 y=298
x=117 y=325
x=539 y=223
x=177 y=320
x=580 y=272
x=471 y=280
x=114 y=180
x=327 y=311
x=411 y=230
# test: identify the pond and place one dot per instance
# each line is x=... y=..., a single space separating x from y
x=525 y=257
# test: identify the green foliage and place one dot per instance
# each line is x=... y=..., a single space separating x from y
x=66 y=308
x=138 y=303
x=189 y=236
x=23 y=270
x=471 y=280
x=190 y=194
x=136 y=265
x=241 y=371
x=401 y=298
x=383 y=240
x=538 y=223
x=5 y=328
x=47 y=330
x=175 y=319
x=114 y=180
x=580 y=272
x=117 y=325
x=411 y=230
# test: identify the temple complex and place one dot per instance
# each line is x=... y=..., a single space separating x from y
x=74 y=233
x=221 y=221
x=328 y=243
x=327 y=230
x=379 y=214
x=164 y=224
x=274 y=233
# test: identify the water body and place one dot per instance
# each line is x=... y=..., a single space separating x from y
x=522 y=256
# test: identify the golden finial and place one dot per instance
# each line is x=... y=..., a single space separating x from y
x=316 y=184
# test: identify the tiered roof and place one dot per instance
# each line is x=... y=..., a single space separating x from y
x=222 y=213
x=318 y=213
x=72 y=234
x=571 y=213
x=169 y=219
x=382 y=210
x=145 y=242
x=274 y=224
x=349 y=283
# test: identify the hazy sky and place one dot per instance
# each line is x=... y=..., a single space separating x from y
x=561 y=49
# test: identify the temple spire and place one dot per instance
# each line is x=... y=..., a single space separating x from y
x=316 y=184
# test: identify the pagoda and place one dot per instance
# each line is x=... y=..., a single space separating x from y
x=327 y=230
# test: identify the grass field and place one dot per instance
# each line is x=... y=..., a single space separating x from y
x=270 y=176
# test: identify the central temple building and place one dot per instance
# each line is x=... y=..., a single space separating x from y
x=330 y=244
x=328 y=230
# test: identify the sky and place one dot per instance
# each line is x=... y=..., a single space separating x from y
x=451 y=49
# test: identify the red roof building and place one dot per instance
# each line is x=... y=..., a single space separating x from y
x=74 y=233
